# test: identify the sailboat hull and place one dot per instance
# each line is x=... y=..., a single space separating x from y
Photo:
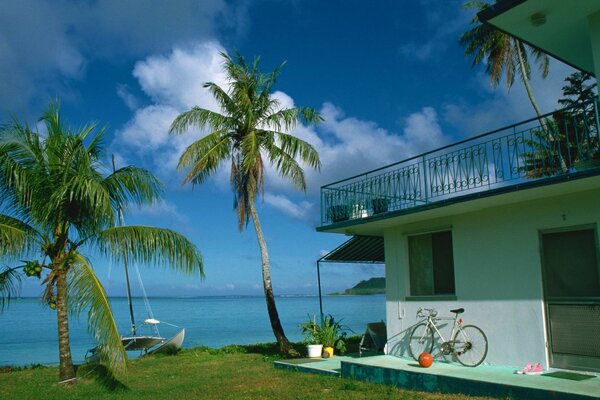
x=140 y=342
x=171 y=345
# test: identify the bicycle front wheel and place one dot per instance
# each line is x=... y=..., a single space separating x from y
x=421 y=340
x=470 y=345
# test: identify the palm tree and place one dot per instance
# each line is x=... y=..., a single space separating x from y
x=250 y=126
x=502 y=54
x=58 y=208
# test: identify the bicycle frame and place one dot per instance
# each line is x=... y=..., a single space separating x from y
x=467 y=351
x=456 y=326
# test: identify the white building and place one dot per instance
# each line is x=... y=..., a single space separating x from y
x=504 y=224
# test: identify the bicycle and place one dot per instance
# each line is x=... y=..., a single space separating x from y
x=468 y=342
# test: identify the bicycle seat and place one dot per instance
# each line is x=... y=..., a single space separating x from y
x=458 y=310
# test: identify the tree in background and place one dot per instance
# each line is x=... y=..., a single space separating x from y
x=250 y=126
x=570 y=135
x=502 y=54
x=58 y=208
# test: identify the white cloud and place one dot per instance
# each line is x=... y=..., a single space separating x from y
x=128 y=98
x=302 y=210
x=230 y=286
x=176 y=79
x=346 y=145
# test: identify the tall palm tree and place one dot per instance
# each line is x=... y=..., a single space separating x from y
x=57 y=209
x=502 y=54
x=250 y=126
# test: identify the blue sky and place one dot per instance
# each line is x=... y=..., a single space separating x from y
x=389 y=78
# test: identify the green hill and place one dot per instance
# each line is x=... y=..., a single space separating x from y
x=371 y=286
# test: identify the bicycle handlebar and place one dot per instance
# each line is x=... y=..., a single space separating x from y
x=431 y=312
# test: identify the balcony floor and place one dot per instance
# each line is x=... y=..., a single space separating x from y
x=449 y=378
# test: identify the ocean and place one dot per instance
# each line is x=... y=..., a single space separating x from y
x=28 y=332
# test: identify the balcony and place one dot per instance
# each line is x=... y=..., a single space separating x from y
x=557 y=146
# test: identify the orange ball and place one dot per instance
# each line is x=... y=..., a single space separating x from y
x=425 y=360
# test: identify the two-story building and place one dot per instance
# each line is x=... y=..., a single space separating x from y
x=504 y=224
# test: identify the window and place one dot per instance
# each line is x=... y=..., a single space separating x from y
x=431 y=264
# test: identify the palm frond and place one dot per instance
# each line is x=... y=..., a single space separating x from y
x=10 y=286
x=16 y=237
x=199 y=118
x=225 y=102
x=204 y=156
x=86 y=293
x=150 y=245
x=287 y=166
x=295 y=147
x=133 y=184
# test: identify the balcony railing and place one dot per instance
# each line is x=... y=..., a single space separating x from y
x=559 y=143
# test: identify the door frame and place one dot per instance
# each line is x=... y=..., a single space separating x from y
x=564 y=361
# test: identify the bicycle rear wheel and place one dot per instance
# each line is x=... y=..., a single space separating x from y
x=470 y=345
x=421 y=340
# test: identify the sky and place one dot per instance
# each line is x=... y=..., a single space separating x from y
x=388 y=77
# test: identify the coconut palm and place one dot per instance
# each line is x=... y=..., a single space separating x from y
x=250 y=127
x=503 y=55
x=58 y=209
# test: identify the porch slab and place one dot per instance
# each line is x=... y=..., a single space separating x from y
x=322 y=366
x=452 y=378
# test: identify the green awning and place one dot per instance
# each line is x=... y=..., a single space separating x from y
x=359 y=249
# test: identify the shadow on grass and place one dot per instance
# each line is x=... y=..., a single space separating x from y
x=102 y=375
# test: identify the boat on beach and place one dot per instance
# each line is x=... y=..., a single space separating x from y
x=152 y=343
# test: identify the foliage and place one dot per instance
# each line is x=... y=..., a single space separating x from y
x=310 y=331
x=58 y=207
x=502 y=54
x=329 y=333
x=251 y=123
x=370 y=286
x=569 y=139
x=580 y=90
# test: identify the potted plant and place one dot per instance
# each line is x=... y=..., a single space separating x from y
x=339 y=213
x=311 y=331
x=332 y=335
x=380 y=205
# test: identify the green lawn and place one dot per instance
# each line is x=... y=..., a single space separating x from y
x=233 y=372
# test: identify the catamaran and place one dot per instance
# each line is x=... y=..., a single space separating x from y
x=153 y=343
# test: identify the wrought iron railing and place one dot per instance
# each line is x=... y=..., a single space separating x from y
x=559 y=143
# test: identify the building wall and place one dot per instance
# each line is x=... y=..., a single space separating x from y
x=497 y=266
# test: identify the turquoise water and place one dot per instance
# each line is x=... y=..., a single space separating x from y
x=28 y=332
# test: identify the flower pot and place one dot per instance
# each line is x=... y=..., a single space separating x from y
x=329 y=351
x=314 y=350
x=380 y=205
x=339 y=213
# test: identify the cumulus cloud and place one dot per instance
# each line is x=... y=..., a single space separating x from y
x=45 y=44
x=302 y=210
x=346 y=145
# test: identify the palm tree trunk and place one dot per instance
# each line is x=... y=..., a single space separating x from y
x=526 y=80
x=66 y=371
x=561 y=159
x=285 y=347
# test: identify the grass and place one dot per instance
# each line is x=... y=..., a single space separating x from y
x=232 y=372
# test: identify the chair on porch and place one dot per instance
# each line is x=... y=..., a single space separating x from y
x=374 y=339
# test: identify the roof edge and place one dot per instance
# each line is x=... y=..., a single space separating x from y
x=496 y=9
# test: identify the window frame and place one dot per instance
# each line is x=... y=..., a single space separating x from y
x=429 y=297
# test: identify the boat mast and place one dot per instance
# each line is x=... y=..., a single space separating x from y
x=120 y=216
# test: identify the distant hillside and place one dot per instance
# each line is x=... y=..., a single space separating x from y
x=371 y=286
